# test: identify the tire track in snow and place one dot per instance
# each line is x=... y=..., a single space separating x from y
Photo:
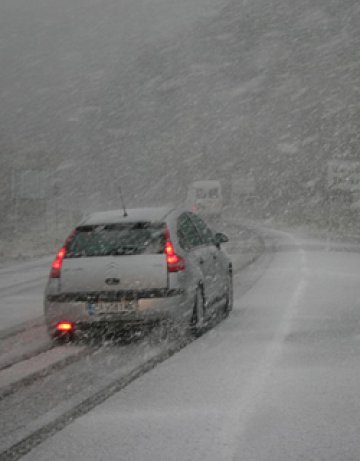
x=239 y=413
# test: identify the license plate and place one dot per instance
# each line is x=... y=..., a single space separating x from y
x=103 y=307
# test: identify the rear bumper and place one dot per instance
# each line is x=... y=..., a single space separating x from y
x=174 y=305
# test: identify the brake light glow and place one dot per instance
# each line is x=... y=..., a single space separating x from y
x=64 y=327
x=175 y=263
x=57 y=264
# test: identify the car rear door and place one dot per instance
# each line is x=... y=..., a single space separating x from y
x=217 y=270
x=191 y=241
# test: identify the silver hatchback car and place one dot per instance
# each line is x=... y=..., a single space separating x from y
x=134 y=268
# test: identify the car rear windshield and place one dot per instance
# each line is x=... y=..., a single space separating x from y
x=116 y=239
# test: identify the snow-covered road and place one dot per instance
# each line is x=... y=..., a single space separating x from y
x=277 y=380
x=21 y=292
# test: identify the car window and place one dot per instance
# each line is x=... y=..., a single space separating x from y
x=214 y=193
x=187 y=233
x=116 y=239
x=205 y=232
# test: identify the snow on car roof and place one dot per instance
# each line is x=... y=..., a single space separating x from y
x=133 y=214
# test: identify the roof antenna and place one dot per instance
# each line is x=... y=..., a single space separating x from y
x=122 y=201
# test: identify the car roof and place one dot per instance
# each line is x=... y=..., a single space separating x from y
x=155 y=214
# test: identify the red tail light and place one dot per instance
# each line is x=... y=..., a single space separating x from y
x=57 y=264
x=175 y=263
x=64 y=327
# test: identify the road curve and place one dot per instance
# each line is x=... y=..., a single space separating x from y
x=278 y=380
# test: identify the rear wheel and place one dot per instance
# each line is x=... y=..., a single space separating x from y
x=198 y=318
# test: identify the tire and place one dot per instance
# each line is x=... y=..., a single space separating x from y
x=198 y=317
x=229 y=295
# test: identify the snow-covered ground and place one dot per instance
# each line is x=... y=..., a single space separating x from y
x=21 y=289
x=277 y=380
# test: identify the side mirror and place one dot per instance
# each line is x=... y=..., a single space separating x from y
x=220 y=238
